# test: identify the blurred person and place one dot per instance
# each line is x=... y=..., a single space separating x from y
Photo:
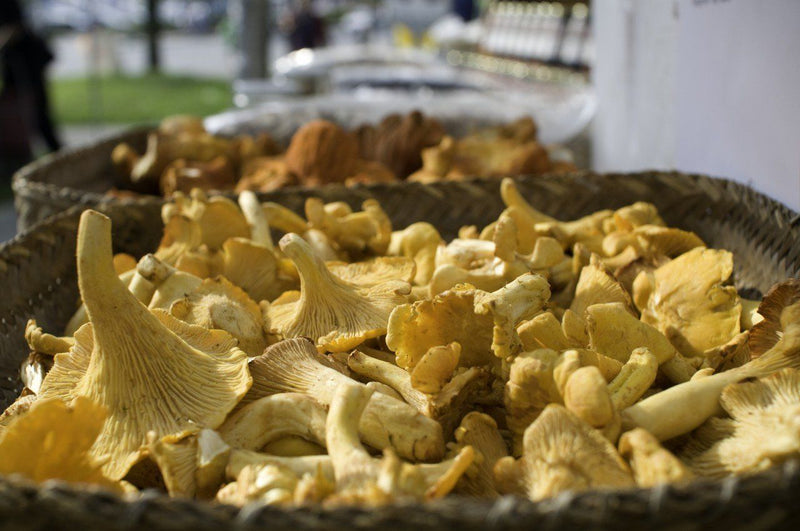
x=465 y=9
x=24 y=105
x=305 y=28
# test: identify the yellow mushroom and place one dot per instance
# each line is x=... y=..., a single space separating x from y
x=562 y=453
x=202 y=371
x=651 y=463
x=294 y=366
x=336 y=315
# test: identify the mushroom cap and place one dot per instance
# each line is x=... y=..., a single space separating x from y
x=479 y=431
x=419 y=241
x=763 y=428
x=375 y=271
x=563 y=453
x=217 y=303
x=595 y=286
x=321 y=152
x=448 y=317
x=766 y=333
x=614 y=332
x=335 y=314
x=689 y=303
x=53 y=440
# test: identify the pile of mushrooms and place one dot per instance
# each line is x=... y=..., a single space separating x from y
x=353 y=363
x=181 y=155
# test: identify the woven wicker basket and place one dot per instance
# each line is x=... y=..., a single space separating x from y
x=40 y=281
x=81 y=176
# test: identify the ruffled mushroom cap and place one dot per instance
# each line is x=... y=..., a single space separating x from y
x=435 y=368
x=218 y=217
x=763 y=428
x=53 y=441
x=765 y=334
x=283 y=219
x=449 y=317
x=359 y=233
x=651 y=463
x=295 y=366
x=375 y=271
x=335 y=314
x=419 y=241
x=265 y=174
x=202 y=371
x=531 y=386
x=666 y=241
x=597 y=286
x=273 y=417
x=640 y=213
x=544 y=331
x=562 y=453
x=182 y=236
x=479 y=431
x=520 y=299
x=217 y=303
x=690 y=305
x=254 y=268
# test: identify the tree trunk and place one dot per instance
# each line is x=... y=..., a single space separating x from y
x=254 y=23
x=153 y=34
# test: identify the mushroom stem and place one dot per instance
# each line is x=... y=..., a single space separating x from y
x=273 y=417
x=294 y=365
x=389 y=374
x=351 y=462
x=697 y=400
x=256 y=218
x=307 y=464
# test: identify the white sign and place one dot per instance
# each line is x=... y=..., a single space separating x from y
x=737 y=93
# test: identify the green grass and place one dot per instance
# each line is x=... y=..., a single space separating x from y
x=146 y=99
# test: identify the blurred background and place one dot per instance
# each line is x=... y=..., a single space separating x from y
x=624 y=85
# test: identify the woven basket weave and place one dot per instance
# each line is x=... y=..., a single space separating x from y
x=40 y=281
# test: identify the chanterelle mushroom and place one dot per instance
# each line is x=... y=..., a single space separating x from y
x=53 y=440
x=293 y=365
x=134 y=356
x=562 y=453
x=689 y=304
x=359 y=477
x=651 y=463
x=479 y=431
x=699 y=399
x=337 y=315
x=763 y=428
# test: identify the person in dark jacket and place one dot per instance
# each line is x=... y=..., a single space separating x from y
x=24 y=105
x=306 y=28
